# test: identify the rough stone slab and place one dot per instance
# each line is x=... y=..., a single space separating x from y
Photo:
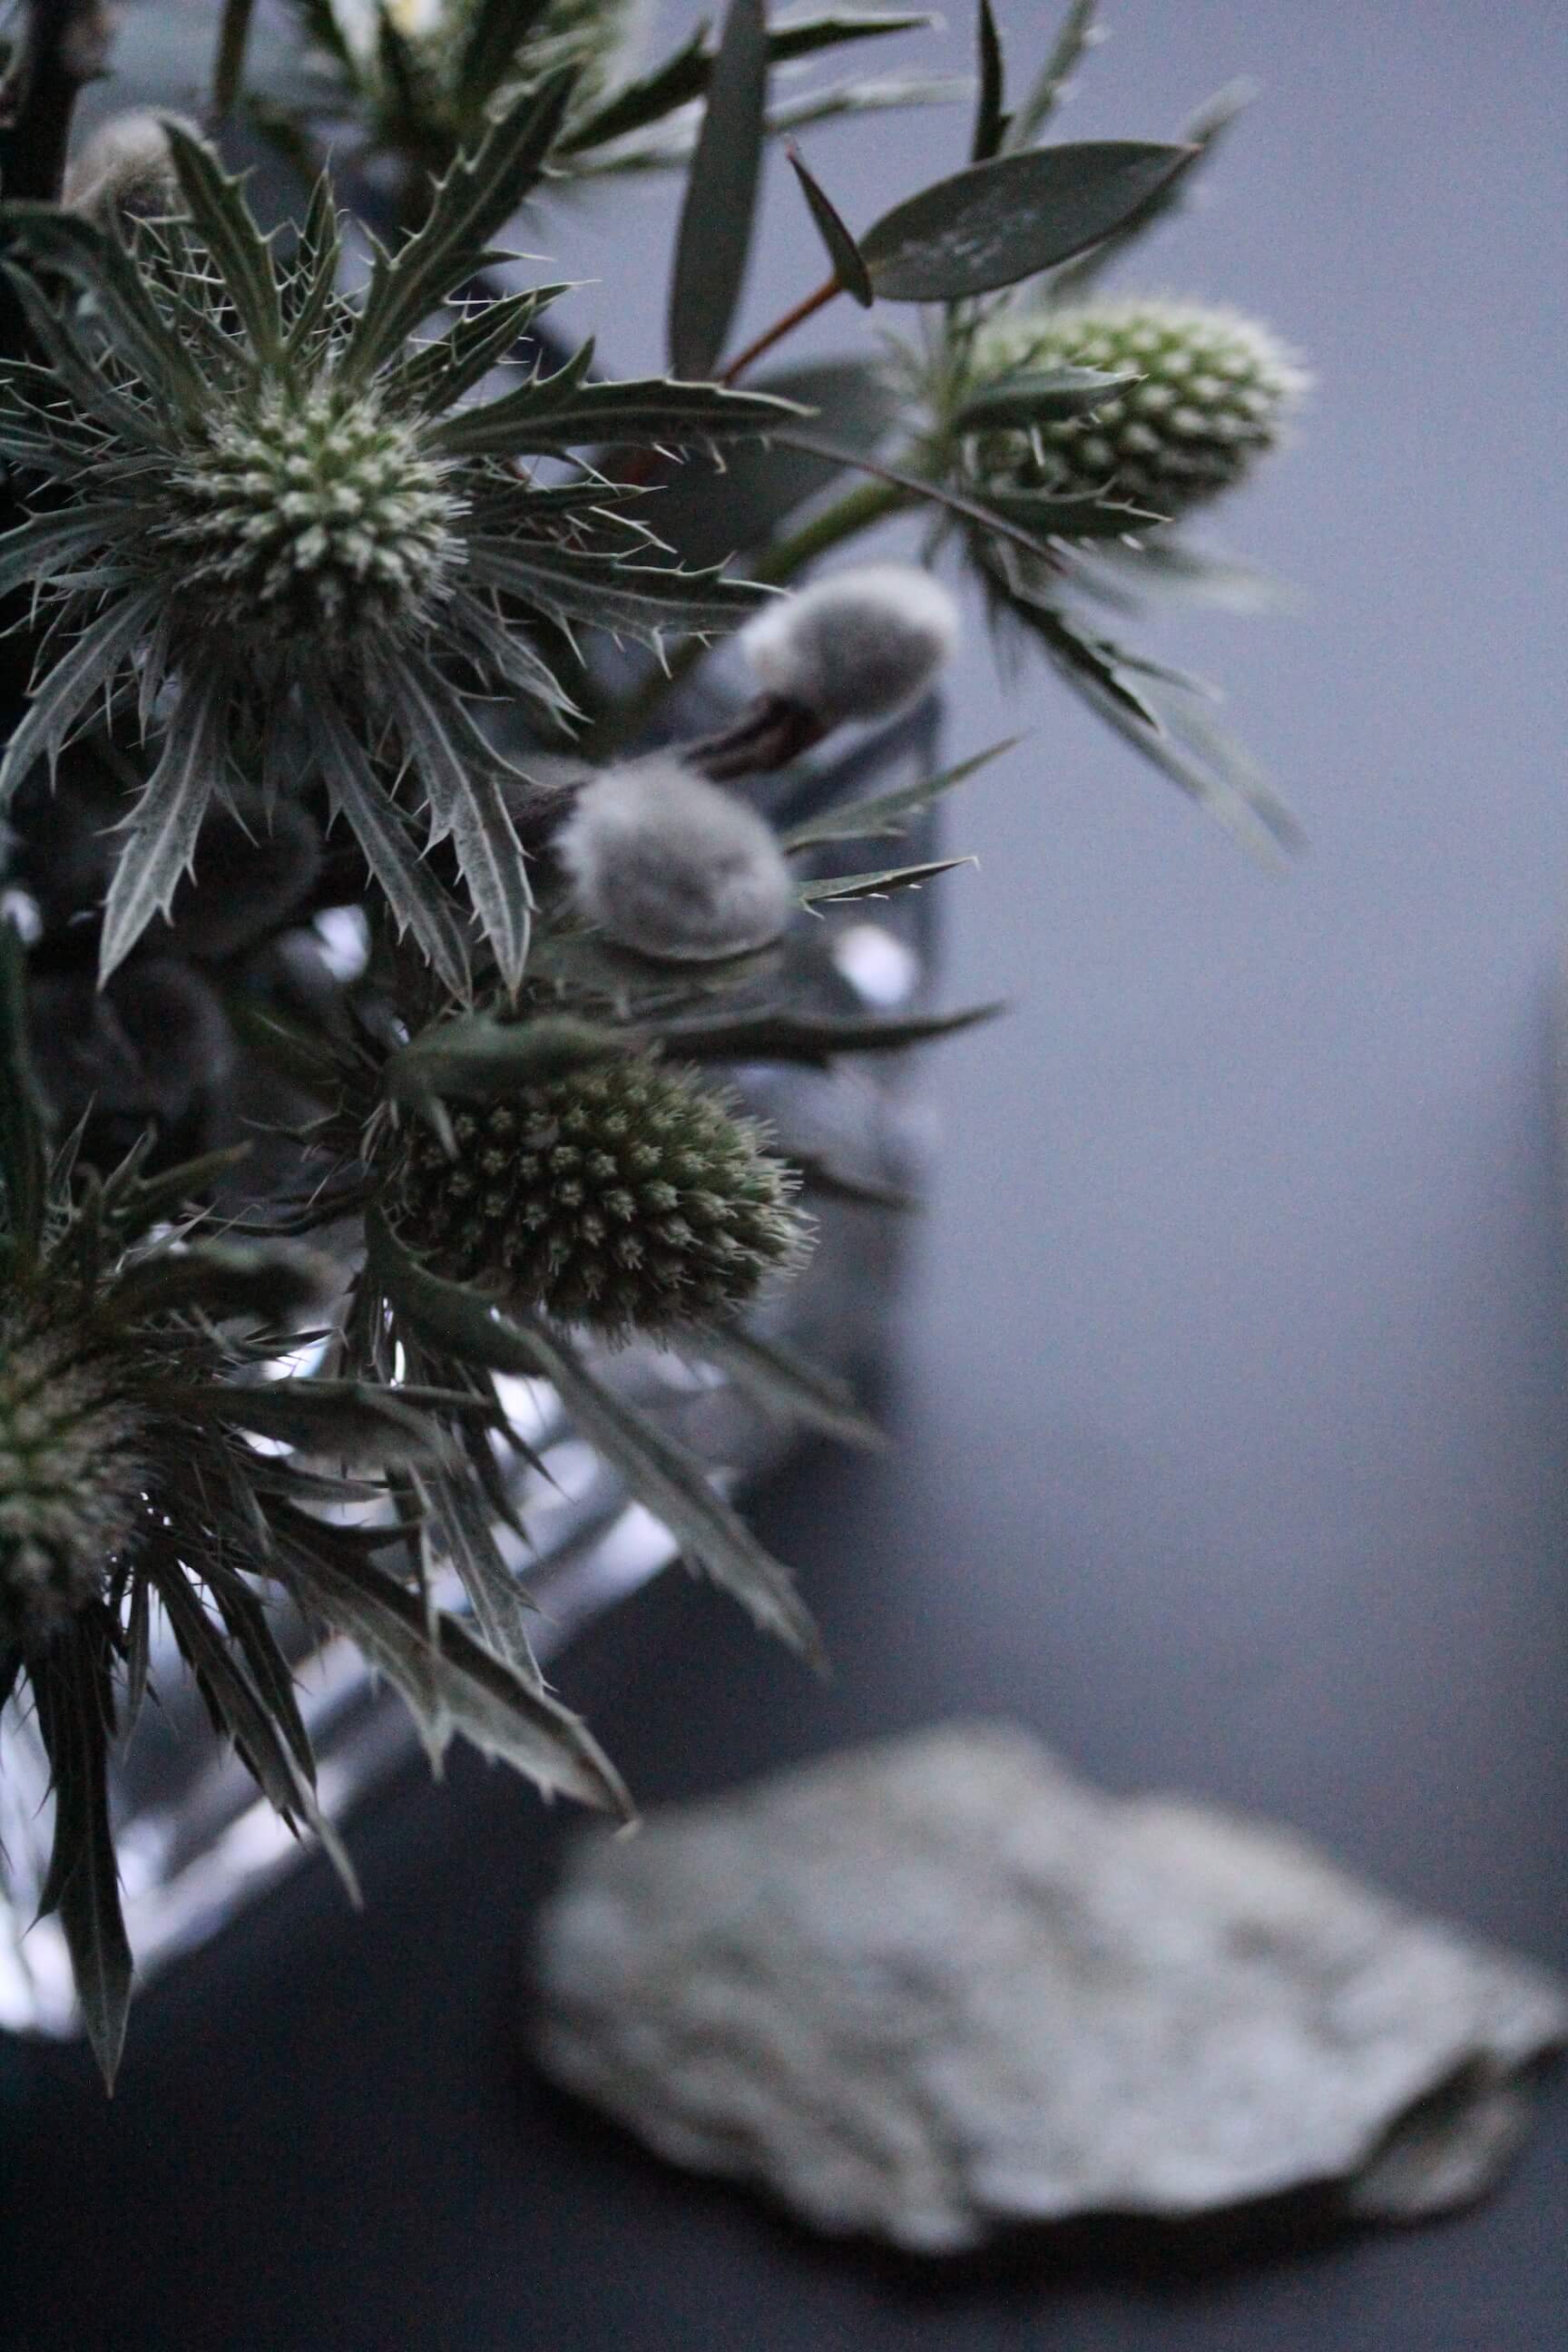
x=940 y=1987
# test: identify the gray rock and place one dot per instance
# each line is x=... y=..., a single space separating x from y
x=940 y=1987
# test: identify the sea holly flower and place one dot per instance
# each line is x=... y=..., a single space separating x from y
x=131 y=1356
x=623 y=1196
x=1202 y=393
x=279 y=537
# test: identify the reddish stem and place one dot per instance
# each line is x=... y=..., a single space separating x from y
x=780 y=329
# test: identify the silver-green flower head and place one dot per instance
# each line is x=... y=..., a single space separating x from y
x=622 y=1196
x=315 y=517
x=1217 y=389
x=73 y=1481
x=276 y=531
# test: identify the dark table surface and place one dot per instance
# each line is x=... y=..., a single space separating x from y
x=1233 y=1450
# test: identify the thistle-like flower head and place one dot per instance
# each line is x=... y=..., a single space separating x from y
x=1214 y=390
x=624 y=1196
x=275 y=534
x=314 y=518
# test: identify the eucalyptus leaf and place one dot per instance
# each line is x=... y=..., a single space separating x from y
x=848 y=266
x=1008 y=219
x=989 y=104
x=273 y=1280
x=714 y=240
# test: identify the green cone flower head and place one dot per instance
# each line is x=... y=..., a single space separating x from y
x=72 y=1483
x=623 y=1196
x=315 y=517
x=1217 y=391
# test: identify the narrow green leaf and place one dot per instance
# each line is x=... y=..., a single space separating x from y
x=785 y=1385
x=838 y=888
x=480 y=1059
x=886 y=815
x=262 y=1737
x=1077 y=514
x=23 y=1154
x=228 y=65
x=497 y=32
x=990 y=105
x=224 y=223
x=685 y=74
x=159 y=846
x=714 y=240
x=75 y=1699
x=999 y=222
x=1204 y=135
x=476 y=199
x=848 y=266
x=1038 y=396
x=1078 y=35
x=812 y=1037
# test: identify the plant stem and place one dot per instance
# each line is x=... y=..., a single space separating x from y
x=858 y=509
x=867 y=504
x=229 y=64
x=64 y=43
x=803 y=310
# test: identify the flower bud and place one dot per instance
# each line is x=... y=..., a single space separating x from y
x=125 y=170
x=623 y=1196
x=861 y=644
x=1215 y=390
x=670 y=865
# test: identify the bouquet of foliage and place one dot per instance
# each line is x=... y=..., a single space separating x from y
x=342 y=599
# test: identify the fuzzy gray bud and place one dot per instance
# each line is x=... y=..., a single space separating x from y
x=861 y=644
x=674 y=867
x=125 y=169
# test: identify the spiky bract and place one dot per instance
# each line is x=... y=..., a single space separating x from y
x=624 y=1196
x=1216 y=389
